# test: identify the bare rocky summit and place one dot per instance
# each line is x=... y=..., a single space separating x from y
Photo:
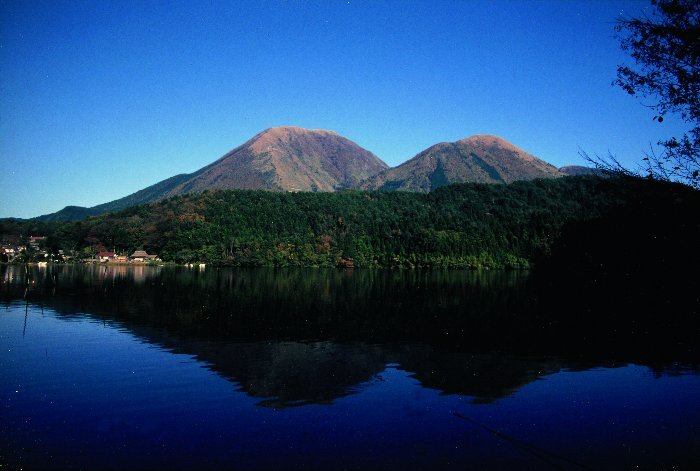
x=480 y=158
x=286 y=159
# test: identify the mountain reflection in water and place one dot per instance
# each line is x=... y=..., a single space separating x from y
x=171 y=368
x=296 y=337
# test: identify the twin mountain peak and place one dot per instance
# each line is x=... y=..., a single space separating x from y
x=296 y=159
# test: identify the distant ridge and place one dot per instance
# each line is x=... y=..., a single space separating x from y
x=576 y=170
x=481 y=158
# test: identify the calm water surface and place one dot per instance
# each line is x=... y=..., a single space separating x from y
x=313 y=369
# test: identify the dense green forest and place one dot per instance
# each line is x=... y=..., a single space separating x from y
x=458 y=226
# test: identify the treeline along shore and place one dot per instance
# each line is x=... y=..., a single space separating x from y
x=461 y=226
x=609 y=255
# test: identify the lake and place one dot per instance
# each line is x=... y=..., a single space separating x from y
x=117 y=367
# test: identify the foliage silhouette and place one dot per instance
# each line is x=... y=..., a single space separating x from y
x=666 y=50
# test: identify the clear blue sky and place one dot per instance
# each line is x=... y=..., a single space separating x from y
x=99 y=99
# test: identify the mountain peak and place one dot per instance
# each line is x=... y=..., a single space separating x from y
x=266 y=140
x=280 y=131
x=288 y=158
x=481 y=158
x=490 y=140
x=483 y=138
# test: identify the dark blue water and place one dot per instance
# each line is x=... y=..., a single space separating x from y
x=117 y=368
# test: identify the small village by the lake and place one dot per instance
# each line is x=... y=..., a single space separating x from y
x=35 y=251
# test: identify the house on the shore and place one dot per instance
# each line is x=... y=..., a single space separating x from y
x=106 y=256
x=142 y=256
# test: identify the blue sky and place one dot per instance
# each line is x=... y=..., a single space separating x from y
x=101 y=99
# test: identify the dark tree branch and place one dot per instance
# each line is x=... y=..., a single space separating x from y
x=666 y=51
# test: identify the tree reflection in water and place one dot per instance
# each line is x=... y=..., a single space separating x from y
x=296 y=337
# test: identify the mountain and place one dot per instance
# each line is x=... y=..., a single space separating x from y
x=480 y=158
x=577 y=170
x=286 y=159
x=296 y=159
x=278 y=159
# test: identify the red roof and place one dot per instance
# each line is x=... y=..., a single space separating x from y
x=106 y=254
